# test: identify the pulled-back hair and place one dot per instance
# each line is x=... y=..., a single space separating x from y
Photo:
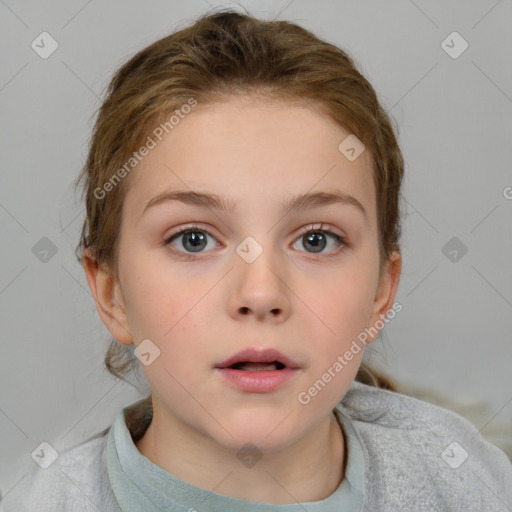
x=222 y=54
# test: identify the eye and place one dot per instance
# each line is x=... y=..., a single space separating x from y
x=192 y=238
x=317 y=238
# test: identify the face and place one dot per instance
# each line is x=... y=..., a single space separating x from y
x=255 y=274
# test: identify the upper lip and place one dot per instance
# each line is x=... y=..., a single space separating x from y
x=253 y=355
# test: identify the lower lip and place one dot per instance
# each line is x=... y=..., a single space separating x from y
x=261 y=381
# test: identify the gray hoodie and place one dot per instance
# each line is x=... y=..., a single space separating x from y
x=403 y=455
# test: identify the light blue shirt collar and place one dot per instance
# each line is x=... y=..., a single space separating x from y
x=139 y=484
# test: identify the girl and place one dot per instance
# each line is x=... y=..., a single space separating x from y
x=242 y=246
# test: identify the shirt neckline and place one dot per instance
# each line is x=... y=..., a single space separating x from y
x=139 y=484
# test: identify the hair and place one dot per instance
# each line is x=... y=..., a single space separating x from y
x=222 y=54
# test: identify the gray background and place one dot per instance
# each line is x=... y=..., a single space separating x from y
x=455 y=121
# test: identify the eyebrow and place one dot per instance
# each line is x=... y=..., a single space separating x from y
x=299 y=202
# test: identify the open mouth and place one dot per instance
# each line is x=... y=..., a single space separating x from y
x=248 y=366
x=255 y=372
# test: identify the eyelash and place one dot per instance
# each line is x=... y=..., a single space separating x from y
x=323 y=228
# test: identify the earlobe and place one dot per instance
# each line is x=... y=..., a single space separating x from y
x=108 y=298
x=386 y=292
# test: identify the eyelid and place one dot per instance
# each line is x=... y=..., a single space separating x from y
x=184 y=229
x=321 y=226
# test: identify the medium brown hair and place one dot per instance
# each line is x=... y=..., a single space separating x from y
x=221 y=54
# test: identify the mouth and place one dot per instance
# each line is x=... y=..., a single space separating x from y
x=248 y=366
x=258 y=371
x=253 y=360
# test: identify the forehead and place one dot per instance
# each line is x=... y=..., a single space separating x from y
x=252 y=149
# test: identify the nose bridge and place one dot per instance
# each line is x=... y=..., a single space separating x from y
x=260 y=275
x=259 y=260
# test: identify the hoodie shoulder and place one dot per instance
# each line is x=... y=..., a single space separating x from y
x=422 y=455
x=77 y=480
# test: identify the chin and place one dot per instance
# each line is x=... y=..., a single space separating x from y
x=262 y=436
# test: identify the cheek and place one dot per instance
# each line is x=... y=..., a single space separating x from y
x=156 y=293
x=169 y=307
x=342 y=304
x=171 y=318
x=163 y=308
x=342 y=310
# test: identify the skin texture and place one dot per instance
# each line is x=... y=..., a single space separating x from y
x=198 y=312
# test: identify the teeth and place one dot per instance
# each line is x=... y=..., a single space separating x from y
x=254 y=367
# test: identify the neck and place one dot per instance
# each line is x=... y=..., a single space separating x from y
x=310 y=469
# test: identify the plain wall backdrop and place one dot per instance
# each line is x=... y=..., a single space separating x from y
x=453 y=107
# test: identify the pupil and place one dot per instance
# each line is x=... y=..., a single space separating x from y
x=317 y=240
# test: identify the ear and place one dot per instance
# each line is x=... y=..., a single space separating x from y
x=108 y=297
x=386 y=291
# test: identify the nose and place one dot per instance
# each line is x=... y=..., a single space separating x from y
x=261 y=289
